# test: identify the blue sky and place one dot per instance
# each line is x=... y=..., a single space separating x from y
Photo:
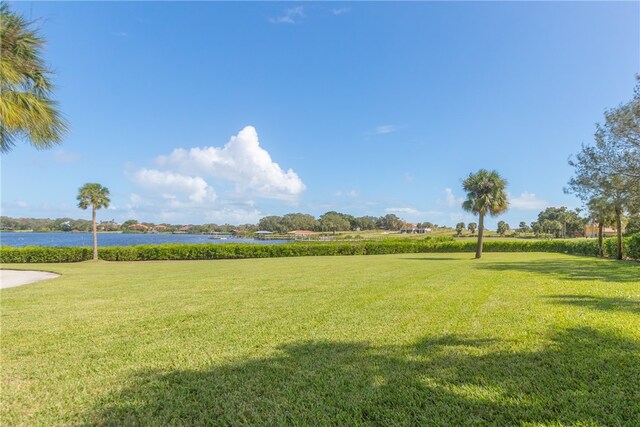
x=227 y=112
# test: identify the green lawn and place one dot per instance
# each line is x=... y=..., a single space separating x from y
x=419 y=339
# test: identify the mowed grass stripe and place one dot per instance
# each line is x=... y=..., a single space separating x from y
x=441 y=339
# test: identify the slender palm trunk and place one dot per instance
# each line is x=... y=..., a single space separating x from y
x=480 y=235
x=600 y=247
x=95 y=234
x=619 y=232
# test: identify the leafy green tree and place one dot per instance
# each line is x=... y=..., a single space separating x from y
x=486 y=195
x=459 y=228
x=551 y=227
x=595 y=179
x=572 y=223
x=503 y=227
x=536 y=228
x=26 y=108
x=609 y=170
x=633 y=225
x=365 y=223
x=390 y=222
x=523 y=227
x=622 y=126
x=333 y=221
x=96 y=196
x=472 y=227
x=299 y=221
x=272 y=223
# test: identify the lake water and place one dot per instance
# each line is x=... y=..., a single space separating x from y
x=115 y=239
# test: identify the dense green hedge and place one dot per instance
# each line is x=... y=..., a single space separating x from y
x=34 y=254
x=235 y=251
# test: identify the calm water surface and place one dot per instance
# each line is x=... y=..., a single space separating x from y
x=115 y=239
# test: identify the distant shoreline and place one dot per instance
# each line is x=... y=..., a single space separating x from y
x=62 y=231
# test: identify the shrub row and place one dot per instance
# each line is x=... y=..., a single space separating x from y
x=35 y=254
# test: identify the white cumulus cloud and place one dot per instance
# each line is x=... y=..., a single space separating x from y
x=175 y=187
x=242 y=161
x=527 y=201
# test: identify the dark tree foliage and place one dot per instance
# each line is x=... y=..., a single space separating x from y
x=572 y=225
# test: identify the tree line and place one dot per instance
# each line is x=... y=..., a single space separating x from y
x=328 y=222
x=333 y=221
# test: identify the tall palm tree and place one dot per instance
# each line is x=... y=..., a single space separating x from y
x=26 y=108
x=96 y=196
x=485 y=195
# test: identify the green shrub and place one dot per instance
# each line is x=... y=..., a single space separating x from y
x=44 y=254
x=632 y=246
x=588 y=247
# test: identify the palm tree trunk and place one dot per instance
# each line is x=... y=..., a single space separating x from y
x=480 y=235
x=95 y=234
x=619 y=231
x=600 y=230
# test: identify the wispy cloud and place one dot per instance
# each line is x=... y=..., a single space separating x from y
x=351 y=194
x=450 y=200
x=62 y=156
x=384 y=129
x=119 y=34
x=527 y=201
x=413 y=213
x=341 y=10
x=408 y=177
x=291 y=16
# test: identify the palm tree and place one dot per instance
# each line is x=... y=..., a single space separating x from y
x=604 y=214
x=96 y=196
x=485 y=195
x=26 y=109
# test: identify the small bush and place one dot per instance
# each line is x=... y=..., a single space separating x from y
x=632 y=246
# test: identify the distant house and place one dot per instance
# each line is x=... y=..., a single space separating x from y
x=409 y=228
x=139 y=227
x=413 y=229
x=103 y=226
x=591 y=230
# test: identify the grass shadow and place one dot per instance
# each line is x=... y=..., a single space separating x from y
x=573 y=268
x=435 y=259
x=598 y=302
x=582 y=376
